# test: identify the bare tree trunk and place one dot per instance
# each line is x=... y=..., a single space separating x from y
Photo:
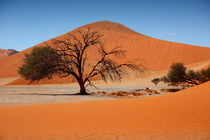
x=82 y=89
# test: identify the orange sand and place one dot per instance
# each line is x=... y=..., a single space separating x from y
x=206 y=67
x=157 y=54
x=181 y=115
x=4 y=53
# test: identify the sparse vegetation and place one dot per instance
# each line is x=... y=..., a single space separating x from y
x=155 y=81
x=198 y=77
x=69 y=58
x=165 y=79
x=178 y=75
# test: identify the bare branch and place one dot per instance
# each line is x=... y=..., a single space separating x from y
x=72 y=52
x=90 y=84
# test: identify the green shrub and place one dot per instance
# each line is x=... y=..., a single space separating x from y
x=155 y=81
x=39 y=64
x=177 y=73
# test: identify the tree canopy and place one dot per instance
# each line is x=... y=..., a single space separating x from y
x=40 y=63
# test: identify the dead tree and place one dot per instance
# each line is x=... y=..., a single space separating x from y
x=73 y=51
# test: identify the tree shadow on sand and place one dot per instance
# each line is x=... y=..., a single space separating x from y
x=75 y=94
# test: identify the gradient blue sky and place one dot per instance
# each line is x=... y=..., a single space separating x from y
x=24 y=23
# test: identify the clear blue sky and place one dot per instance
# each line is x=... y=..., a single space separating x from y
x=24 y=23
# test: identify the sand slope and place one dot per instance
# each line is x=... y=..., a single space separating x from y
x=8 y=52
x=181 y=115
x=157 y=54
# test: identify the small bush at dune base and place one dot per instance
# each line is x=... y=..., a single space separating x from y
x=179 y=76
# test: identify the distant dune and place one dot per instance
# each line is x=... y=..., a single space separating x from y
x=181 y=115
x=7 y=52
x=154 y=53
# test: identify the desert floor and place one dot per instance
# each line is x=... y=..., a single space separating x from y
x=45 y=94
x=62 y=93
x=180 y=115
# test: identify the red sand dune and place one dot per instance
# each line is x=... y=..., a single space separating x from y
x=157 y=54
x=8 y=52
x=181 y=115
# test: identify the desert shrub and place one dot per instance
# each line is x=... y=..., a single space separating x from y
x=192 y=77
x=165 y=79
x=177 y=73
x=203 y=75
x=155 y=81
x=39 y=64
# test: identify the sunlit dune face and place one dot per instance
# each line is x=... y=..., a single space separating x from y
x=155 y=54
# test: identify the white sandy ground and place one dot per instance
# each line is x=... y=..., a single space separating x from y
x=44 y=94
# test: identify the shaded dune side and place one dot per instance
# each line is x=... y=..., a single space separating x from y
x=156 y=54
x=181 y=115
